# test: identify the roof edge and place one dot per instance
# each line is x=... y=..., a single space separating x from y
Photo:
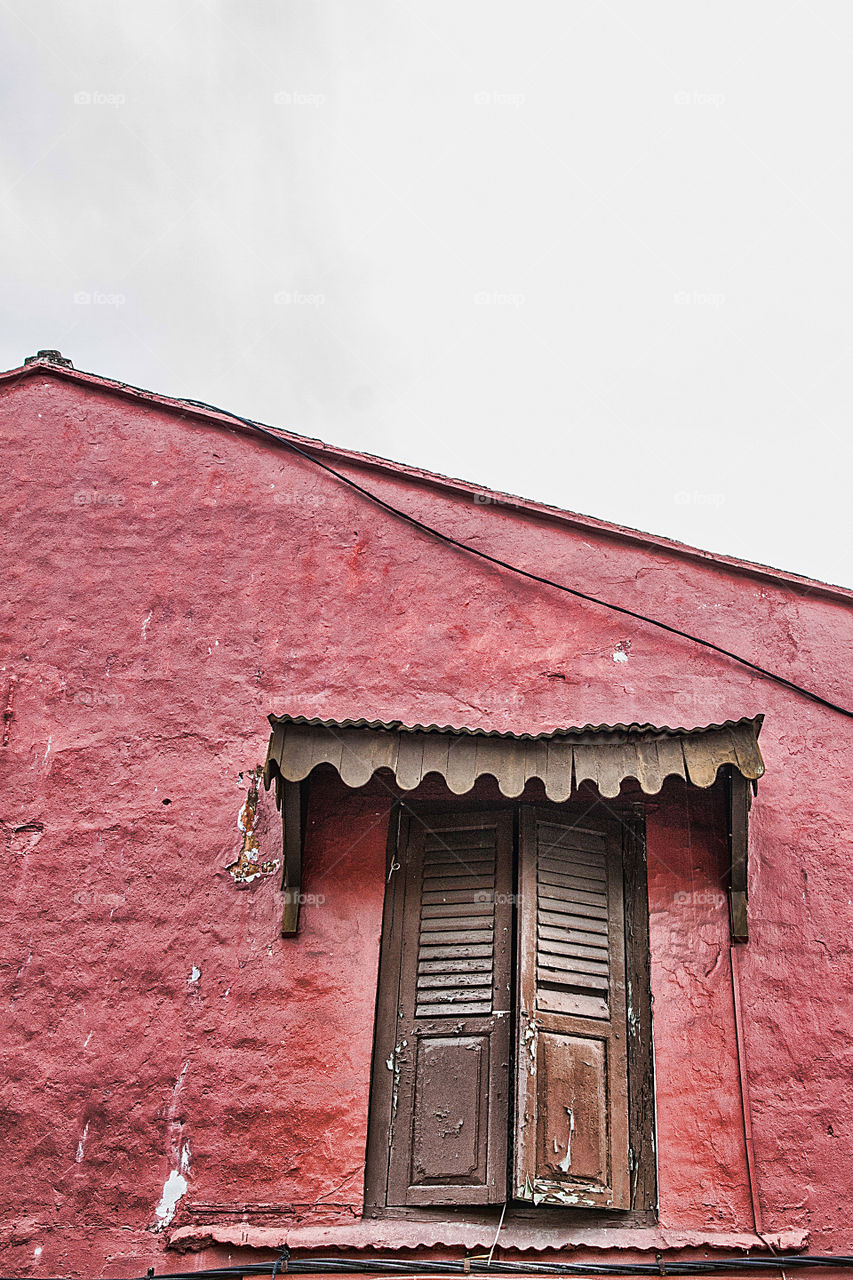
x=374 y=462
x=398 y=726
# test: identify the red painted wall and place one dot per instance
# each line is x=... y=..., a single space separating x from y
x=170 y=583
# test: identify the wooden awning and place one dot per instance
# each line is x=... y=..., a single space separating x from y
x=605 y=755
x=602 y=754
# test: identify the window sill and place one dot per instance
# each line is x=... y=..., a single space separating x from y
x=384 y=1234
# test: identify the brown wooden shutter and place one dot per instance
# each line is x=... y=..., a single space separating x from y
x=450 y=1059
x=571 y=1132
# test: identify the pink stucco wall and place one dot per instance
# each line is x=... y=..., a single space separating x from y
x=170 y=583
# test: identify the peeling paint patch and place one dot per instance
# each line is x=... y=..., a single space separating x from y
x=195 y=974
x=546 y=1192
x=174 y=1188
x=530 y=1041
x=567 y=1159
x=81 y=1145
x=248 y=865
x=620 y=653
x=24 y=838
x=9 y=709
x=393 y=1064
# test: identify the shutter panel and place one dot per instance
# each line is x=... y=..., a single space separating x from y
x=571 y=1132
x=450 y=1113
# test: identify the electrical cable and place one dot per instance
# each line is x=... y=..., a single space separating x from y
x=525 y=573
x=412 y=1267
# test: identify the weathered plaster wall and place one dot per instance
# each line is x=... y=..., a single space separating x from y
x=170 y=583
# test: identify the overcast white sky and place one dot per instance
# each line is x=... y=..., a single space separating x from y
x=596 y=253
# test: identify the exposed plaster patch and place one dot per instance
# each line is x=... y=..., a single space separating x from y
x=81 y=1145
x=24 y=838
x=567 y=1159
x=174 y=1188
x=195 y=974
x=530 y=1041
x=146 y=623
x=620 y=653
x=393 y=1064
x=248 y=865
x=9 y=709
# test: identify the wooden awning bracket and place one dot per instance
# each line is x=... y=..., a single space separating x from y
x=292 y=801
x=739 y=792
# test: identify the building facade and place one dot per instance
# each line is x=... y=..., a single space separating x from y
x=367 y=897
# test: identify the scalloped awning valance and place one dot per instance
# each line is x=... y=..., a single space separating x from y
x=602 y=754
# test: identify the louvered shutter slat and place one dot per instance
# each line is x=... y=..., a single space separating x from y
x=451 y=1109
x=571 y=1113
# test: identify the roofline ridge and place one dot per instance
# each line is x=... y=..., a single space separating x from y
x=525 y=506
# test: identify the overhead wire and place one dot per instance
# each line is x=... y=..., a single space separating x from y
x=335 y=1265
x=447 y=538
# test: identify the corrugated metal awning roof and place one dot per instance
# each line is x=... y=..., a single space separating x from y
x=602 y=754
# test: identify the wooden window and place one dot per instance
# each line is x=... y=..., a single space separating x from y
x=502 y=1051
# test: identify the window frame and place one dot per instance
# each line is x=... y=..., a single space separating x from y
x=643 y=1172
